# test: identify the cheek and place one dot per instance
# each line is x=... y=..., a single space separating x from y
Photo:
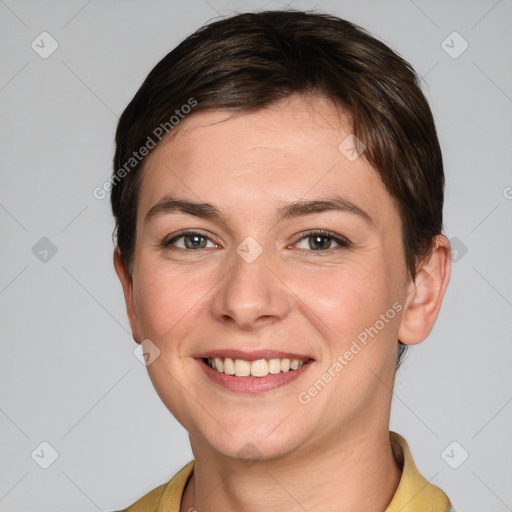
x=165 y=300
x=347 y=299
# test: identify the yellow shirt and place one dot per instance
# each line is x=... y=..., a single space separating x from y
x=414 y=492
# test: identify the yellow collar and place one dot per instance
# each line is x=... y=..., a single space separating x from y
x=414 y=493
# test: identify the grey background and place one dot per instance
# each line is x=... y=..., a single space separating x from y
x=68 y=373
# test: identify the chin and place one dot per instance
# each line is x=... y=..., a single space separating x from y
x=253 y=443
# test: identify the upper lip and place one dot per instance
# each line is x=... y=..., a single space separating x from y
x=251 y=355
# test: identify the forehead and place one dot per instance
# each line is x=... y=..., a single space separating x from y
x=294 y=149
x=289 y=129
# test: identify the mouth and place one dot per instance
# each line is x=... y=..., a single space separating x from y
x=256 y=372
x=257 y=368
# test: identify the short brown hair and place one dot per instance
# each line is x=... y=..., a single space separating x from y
x=251 y=60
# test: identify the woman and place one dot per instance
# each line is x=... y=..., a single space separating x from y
x=278 y=193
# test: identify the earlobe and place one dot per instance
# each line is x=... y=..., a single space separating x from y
x=426 y=295
x=126 y=283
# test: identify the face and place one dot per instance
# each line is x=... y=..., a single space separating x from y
x=298 y=256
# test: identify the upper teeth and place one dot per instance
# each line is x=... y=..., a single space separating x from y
x=258 y=368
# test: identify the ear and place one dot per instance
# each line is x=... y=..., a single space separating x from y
x=126 y=282
x=426 y=294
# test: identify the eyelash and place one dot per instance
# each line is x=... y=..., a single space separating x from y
x=342 y=242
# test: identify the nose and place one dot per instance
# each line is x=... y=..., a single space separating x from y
x=251 y=294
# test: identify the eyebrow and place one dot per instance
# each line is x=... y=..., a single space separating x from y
x=299 y=208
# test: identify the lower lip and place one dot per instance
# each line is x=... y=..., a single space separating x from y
x=250 y=384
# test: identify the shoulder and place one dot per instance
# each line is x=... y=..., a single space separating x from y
x=149 y=502
x=168 y=493
x=414 y=493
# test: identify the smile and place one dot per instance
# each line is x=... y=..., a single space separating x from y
x=257 y=368
x=259 y=372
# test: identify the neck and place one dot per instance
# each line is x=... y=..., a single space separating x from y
x=356 y=472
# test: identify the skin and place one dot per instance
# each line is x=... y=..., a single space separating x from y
x=332 y=453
